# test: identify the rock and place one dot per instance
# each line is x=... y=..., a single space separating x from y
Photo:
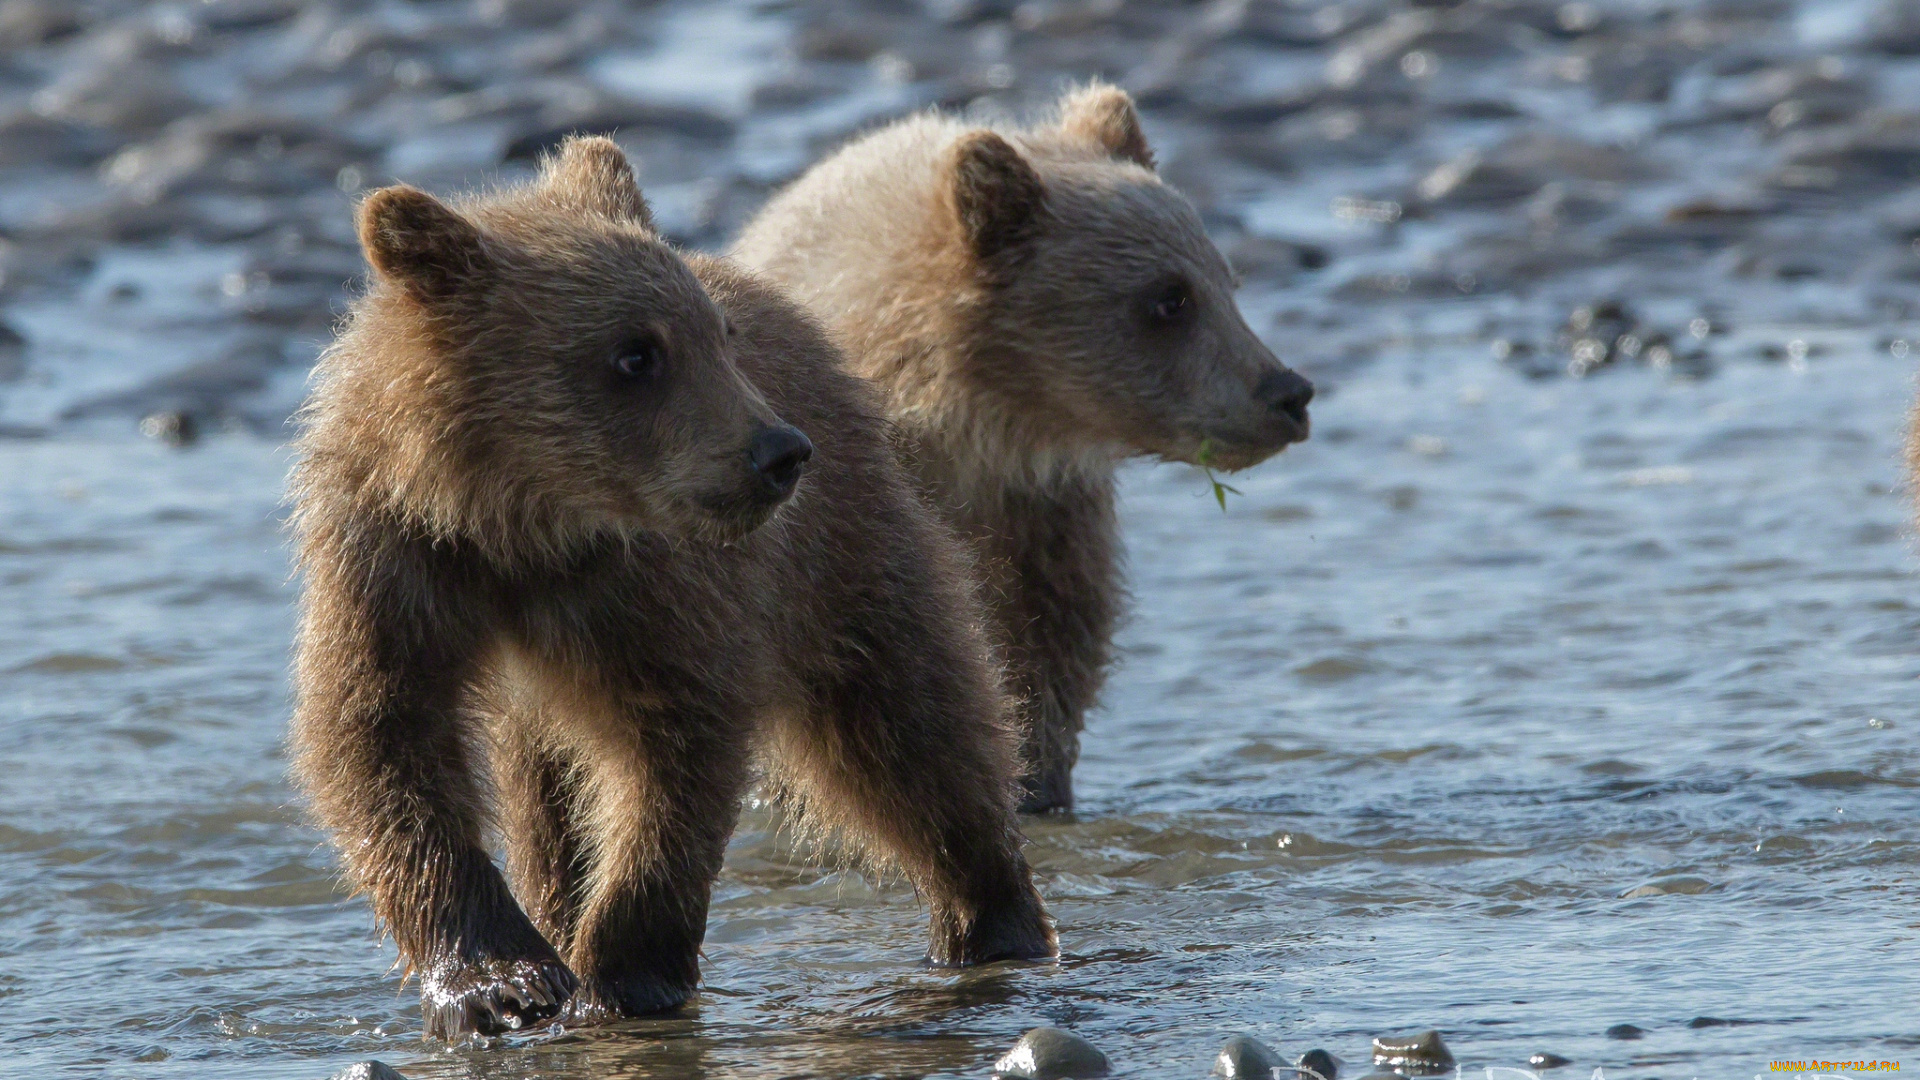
x=369 y=1070
x=1592 y=336
x=1415 y=1054
x=1051 y=1054
x=1682 y=884
x=1546 y=1060
x=1243 y=1056
x=1318 y=1065
x=172 y=428
x=1625 y=1031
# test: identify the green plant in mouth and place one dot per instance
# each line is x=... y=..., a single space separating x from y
x=1206 y=466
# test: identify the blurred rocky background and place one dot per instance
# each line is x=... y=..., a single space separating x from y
x=1581 y=184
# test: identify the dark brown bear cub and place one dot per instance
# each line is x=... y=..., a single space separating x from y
x=551 y=513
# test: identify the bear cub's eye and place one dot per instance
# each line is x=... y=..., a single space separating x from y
x=637 y=358
x=1172 y=304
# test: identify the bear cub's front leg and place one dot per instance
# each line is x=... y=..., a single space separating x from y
x=661 y=815
x=382 y=747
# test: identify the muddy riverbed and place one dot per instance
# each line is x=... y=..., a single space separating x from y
x=1559 y=694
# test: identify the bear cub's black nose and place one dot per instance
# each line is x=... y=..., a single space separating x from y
x=1286 y=391
x=779 y=454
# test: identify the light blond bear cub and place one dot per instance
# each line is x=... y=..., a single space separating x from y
x=1035 y=305
x=557 y=531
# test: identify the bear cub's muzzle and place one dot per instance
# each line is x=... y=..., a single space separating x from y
x=779 y=455
x=1287 y=392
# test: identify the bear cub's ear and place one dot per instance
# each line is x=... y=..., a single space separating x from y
x=997 y=195
x=591 y=173
x=1104 y=116
x=419 y=243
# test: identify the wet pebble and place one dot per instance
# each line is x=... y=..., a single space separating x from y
x=1547 y=1060
x=369 y=1070
x=1051 y=1054
x=1243 y=1056
x=1625 y=1031
x=1678 y=885
x=1699 y=1022
x=1605 y=333
x=1417 y=1053
x=1597 y=335
x=1318 y=1065
x=172 y=428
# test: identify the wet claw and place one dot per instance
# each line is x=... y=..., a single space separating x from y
x=492 y=997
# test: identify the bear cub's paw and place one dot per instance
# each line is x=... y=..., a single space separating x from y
x=1019 y=930
x=1047 y=788
x=634 y=994
x=492 y=997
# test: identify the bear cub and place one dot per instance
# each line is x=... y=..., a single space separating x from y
x=559 y=530
x=1035 y=305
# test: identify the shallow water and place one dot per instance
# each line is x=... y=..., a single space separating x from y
x=1517 y=704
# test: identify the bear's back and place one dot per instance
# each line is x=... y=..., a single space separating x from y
x=879 y=275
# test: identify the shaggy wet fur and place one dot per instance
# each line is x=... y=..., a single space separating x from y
x=535 y=544
x=1035 y=305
